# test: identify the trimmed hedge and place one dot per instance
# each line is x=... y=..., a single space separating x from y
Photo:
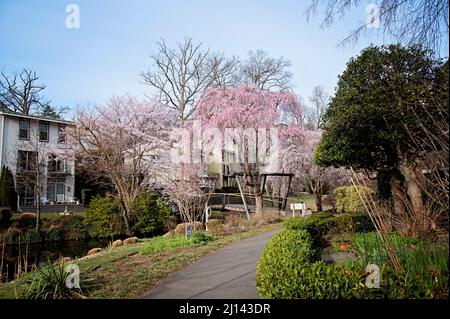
x=278 y=269
x=347 y=198
x=289 y=267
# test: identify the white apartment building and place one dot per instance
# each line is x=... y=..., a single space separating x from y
x=26 y=140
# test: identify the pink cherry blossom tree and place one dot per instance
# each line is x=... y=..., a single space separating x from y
x=126 y=143
x=248 y=119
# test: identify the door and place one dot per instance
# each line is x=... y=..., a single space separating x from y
x=51 y=191
x=60 y=190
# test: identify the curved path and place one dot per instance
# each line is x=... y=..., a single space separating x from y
x=227 y=273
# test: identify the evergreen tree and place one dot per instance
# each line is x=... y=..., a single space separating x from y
x=8 y=195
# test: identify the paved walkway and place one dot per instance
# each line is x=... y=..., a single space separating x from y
x=227 y=273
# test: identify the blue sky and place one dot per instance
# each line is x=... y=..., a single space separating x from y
x=106 y=54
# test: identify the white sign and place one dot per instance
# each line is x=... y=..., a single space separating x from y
x=298 y=206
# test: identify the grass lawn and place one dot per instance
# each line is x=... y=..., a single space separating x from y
x=125 y=272
x=303 y=198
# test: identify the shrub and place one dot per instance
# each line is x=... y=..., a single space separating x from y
x=14 y=235
x=71 y=227
x=199 y=237
x=347 y=198
x=232 y=222
x=50 y=283
x=217 y=215
x=103 y=217
x=281 y=263
x=151 y=213
x=8 y=195
x=316 y=225
x=5 y=216
x=271 y=217
x=27 y=219
x=215 y=226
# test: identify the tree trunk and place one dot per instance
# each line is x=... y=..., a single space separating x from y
x=125 y=211
x=397 y=193
x=414 y=191
x=318 y=196
x=38 y=218
x=413 y=188
x=259 y=203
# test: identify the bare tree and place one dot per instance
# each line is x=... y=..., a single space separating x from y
x=421 y=21
x=20 y=92
x=31 y=173
x=314 y=113
x=266 y=72
x=189 y=190
x=225 y=72
x=180 y=74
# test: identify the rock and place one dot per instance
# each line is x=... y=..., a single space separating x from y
x=94 y=251
x=181 y=228
x=117 y=243
x=169 y=234
x=131 y=240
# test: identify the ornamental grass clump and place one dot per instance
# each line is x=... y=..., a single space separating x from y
x=53 y=282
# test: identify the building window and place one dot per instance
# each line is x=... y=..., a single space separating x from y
x=26 y=161
x=61 y=133
x=56 y=165
x=24 y=129
x=43 y=131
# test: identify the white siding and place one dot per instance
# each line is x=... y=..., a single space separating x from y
x=10 y=144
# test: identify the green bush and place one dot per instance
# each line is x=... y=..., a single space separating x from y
x=103 y=217
x=8 y=195
x=347 y=198
x=282 y=263
x=317 y=225
x=151 y=212
x=200 y=237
